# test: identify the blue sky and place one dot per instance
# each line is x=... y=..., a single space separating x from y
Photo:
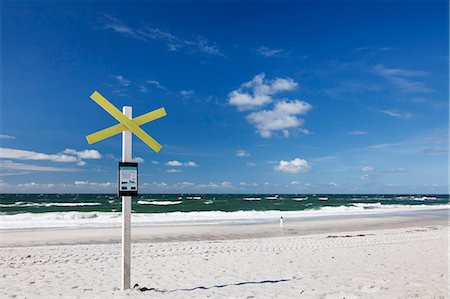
x=326 y=97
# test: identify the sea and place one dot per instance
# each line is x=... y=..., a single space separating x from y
x=24 y=211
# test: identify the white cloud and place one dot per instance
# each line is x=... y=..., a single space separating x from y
x=86 y=154
x=367 y=169
x=94 y=184
x=122 y=80
x=245 y=184
x=190 y=187
x=7 y=164
x=242 y=153
x=80 y=183
x=34 y=185
x=155 y=83
x=155 y=162
x=187 y=93
x=258 y=92
x=117 y=26
x=250 y=163
x=175 y=163
x=400 y=115
x=294 y=166
x=354 y=133
x=138 y=160
x=9 y=153
x=190 y=164
x=4 y=136
x=270 y=52
x=173 y=170
x=404 y=79
x=281 y=118
x=222 y=185
x=174 y=43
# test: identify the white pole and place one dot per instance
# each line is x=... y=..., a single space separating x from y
x=126 y=207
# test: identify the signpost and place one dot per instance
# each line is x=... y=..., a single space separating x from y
x=128 y=171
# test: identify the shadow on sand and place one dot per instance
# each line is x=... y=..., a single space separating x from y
x=145 y=289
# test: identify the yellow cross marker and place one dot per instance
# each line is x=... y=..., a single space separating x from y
x=125 y=123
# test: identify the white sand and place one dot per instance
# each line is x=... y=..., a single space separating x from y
x=403 y=262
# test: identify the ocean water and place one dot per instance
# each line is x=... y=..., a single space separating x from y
x=99 y=210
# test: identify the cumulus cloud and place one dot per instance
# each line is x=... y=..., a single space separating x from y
x=294 y=166
x=34 y=185
x=367 y=169
x=258 y=92
x=187 y=93
x=242 y=153
x=9 y=153
x=281 y=118
x=93 y=184
x=85 y=154
x=175 y=163
x=138 y=160
x=5 y=137
x=68 y=156
x=189 y=186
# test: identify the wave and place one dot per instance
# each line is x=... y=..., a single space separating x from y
x=299 y=198
x=159 y=202
x=368 y=205
x=423 y=198
x=252 y=198
x=113 y=219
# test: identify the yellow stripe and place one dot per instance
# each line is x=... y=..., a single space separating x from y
x=128 y=123
x=116 y=129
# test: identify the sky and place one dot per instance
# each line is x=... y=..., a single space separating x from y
x=261 y=97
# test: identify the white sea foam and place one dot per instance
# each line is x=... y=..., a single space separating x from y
x=113 y=219
x=252 y=198
x=368 y=205
x=422 y=198
x=300 y=198
x=159 y=202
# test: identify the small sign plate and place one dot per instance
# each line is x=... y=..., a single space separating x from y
x=128 y=179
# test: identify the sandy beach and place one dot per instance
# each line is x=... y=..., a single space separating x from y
x=389 y=256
